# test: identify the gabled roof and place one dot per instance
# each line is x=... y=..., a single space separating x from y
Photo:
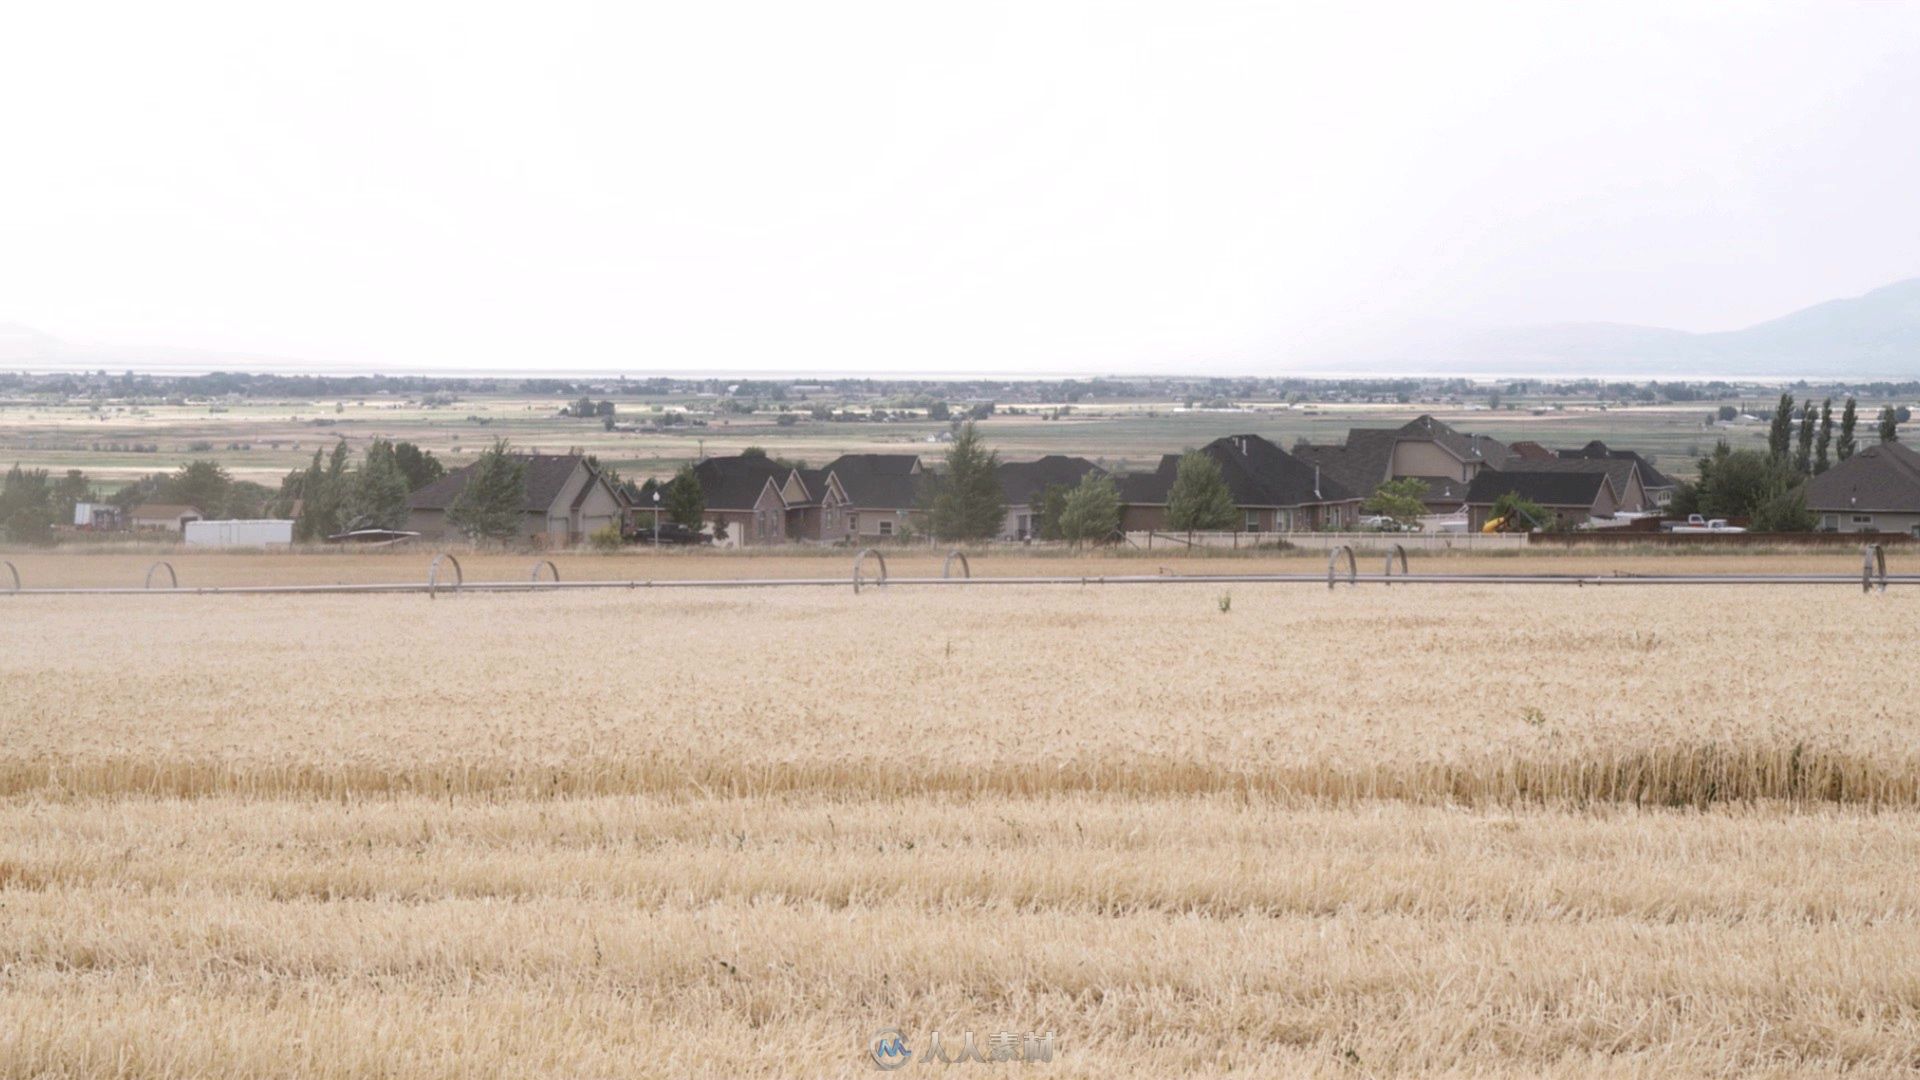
x=1528 y=450
x=1257 y=472
x=1553 y=488
x=546 y=477
x=1464 y=447
x=1620 y=470
x=879 y=481
x=1884 y=477
x=1649 y=476
x=1022 y=482
x=737 y=482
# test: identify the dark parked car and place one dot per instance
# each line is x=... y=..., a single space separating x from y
x=671 y=532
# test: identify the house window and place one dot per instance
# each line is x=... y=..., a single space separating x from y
x=886 y=528
x=1829 y=522
x=1863 y=520
x=853 y=523
x=1253 y=521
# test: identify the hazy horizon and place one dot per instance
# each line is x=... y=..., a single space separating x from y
x=1063 y=189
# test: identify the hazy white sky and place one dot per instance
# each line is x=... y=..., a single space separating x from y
x=906 y=187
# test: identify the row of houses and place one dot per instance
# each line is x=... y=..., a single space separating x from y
x=753 y=500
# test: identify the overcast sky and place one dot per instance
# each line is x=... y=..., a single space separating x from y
x=901 y=187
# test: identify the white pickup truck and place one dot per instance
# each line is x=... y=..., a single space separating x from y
x=1697 y=524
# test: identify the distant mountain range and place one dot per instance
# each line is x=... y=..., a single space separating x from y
x=1876 y=335
x=1871 y=336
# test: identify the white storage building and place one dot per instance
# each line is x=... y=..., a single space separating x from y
x=259 y=533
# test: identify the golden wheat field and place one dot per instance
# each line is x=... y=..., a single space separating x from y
x=1461 y=831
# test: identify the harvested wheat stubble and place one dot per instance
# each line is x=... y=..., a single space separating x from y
x=1482 y=832
x=1475 y=694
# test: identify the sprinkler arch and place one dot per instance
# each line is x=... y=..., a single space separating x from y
x=534 y=575
x=433 y=573
x=859 y=561
x=1401 y=551
x=1353 y=567
x=1873 y=561
x=966 y=568
x=14 y=573
x=173 y=579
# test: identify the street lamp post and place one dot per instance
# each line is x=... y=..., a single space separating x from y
x=656 y=519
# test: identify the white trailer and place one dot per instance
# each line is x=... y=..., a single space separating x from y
x=258 y=533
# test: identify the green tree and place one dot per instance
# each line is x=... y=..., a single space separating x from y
x=1403 y=500
x=1780 y=435
x=1199 y=500
x=1844 y=449
x=684 y=500
x=27 y=506
x=966 y=500
x=377 y=496
x=420 y=466
x=1091 y=512
x=1889 y=425
x=1748 y=485
x=1803 y=442
x=1824 y=444
x=1053 y=503
x=69 y=490
x=489 y=507
x=1518 y=514
x=202 y=485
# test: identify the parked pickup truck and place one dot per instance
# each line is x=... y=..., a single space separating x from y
x=1697 y=524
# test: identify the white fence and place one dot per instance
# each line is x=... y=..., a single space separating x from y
x=1326 y=541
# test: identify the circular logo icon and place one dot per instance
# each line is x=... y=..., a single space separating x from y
x=889 y=1049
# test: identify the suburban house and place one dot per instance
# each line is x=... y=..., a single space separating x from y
x=1657 y=486
x=744 y=504
x=566 y=499
x=1630 y=494
x=1423 y=448
x=1573 y=497
x=1024 y=485
x=168 y=517
x=1272 y=490
x=883 y=494
x=1875 y=490
x=817 y=506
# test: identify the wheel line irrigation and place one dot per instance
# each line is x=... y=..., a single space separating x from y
x=1873 y=577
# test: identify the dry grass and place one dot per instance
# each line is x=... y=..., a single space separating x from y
x=1470 y=831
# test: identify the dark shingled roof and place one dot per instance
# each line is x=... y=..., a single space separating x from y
x=1564 y=488
x=1649 y=476
x=879 y=481
x=1443 y=491
x=1620 y=470
x=1366 y=460
x=737 y=482
x=1885 y=477
x=546 y=475
x=815 y=481
x=1257 y=472
x=1023 y=481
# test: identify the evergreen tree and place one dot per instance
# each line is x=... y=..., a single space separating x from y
x=1889 y=425
x=313 y=522
x=1822 y=446
x=1199 y=500
x=1803 y=444
x=1053 y=503
x=1780 y=435
x=489 y=508
x=967 y=502
x=1846 y=446
x=377 y=497
x=202 y=485
x=1091 y=512
x=26 y=506
x=684 y=500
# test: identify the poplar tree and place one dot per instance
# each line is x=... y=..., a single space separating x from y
x=1200 y=500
